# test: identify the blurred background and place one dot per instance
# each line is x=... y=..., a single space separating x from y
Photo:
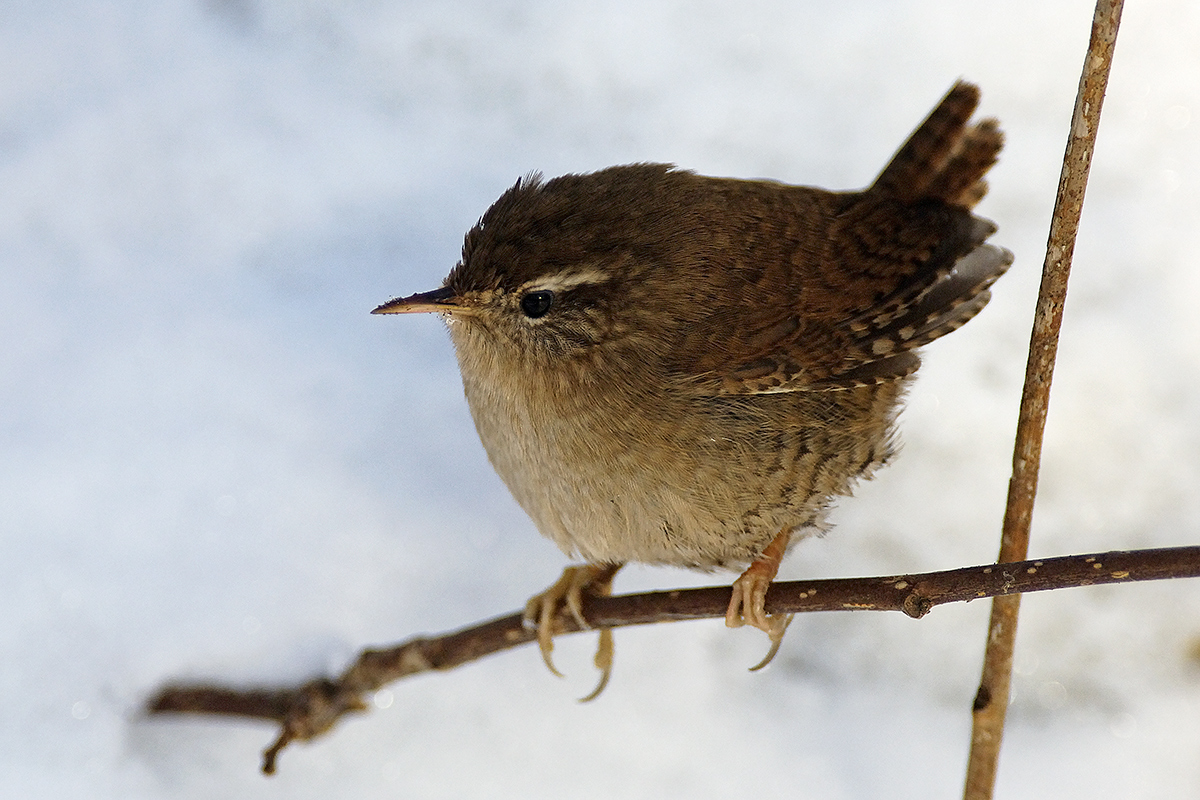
x=215 y=465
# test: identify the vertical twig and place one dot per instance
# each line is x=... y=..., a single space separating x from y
x=991 y=701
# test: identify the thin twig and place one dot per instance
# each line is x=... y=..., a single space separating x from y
x=991 y=700
x=310 y=710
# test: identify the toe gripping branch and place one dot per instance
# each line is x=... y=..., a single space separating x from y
x=568 y=592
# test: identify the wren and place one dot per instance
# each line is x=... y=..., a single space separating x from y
x=674 y=369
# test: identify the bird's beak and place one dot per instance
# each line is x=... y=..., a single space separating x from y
x=443 y=300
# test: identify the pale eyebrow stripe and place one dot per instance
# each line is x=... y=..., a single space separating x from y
x=565 y=281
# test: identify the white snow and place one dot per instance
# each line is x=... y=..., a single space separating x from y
x=214 y=464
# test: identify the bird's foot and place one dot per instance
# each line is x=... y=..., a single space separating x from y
x=748 y=604
x=595 y=579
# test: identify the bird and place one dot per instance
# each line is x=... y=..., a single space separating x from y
x=667 y=368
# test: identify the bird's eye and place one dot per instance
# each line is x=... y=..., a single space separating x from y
x=536 y=304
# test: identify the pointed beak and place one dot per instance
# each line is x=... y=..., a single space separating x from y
x=441 y=300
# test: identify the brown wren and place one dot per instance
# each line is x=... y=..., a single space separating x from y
x=675 y=369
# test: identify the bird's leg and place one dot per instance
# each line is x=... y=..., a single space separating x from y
x=595 y=579
x=748 y=604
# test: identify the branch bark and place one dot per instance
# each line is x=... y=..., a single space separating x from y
x=991 y=700
x=307 y=711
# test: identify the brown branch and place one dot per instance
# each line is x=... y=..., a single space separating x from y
x=991 y=700
x=312 y=709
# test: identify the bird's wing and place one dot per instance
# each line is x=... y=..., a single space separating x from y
x=896 y=266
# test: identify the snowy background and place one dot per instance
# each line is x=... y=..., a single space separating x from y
x=214 y=464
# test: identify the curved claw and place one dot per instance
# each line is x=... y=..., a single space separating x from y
x=779 y=626
x=568 y=591
x=540 y=610
x=747 y=606
x=604 y=662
